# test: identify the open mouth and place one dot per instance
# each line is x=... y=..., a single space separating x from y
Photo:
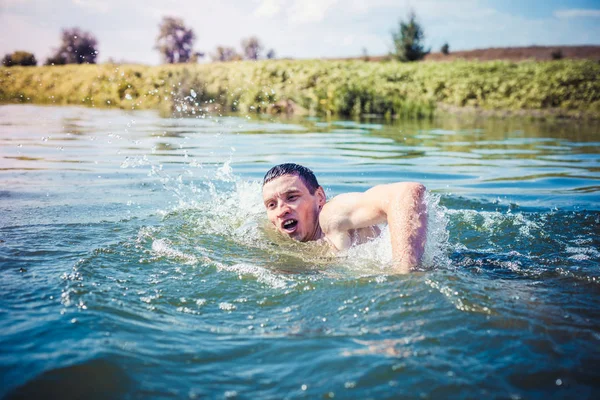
x=289 y=225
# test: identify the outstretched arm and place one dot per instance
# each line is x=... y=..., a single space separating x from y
x=401 y=205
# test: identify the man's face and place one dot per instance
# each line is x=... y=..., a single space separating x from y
x=292 y=209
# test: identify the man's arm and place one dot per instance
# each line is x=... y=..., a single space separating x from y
x=401 y=205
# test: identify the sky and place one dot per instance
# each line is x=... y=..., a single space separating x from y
x=126 y=29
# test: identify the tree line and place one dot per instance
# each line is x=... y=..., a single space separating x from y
x=175 y=43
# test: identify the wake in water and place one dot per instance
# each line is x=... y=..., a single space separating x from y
x=226 y=207
x=217 y=222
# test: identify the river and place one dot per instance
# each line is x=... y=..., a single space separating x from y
x=136 y=260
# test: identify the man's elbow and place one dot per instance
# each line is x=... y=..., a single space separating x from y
x=414 y=191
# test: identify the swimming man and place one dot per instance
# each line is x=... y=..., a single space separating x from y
x=297 y=206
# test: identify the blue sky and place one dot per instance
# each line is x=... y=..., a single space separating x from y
x=126 y=29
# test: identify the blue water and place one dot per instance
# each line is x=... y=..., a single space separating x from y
x=136 y=261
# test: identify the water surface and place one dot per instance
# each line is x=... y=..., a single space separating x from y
x=135 y=260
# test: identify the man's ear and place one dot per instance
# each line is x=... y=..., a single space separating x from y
x=320 y=192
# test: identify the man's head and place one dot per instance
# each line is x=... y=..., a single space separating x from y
x=293 y=199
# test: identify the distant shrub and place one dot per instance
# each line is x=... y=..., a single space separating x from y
x=225 y=53
x=365 y=54
x=23 y=58
x=252 y=48
x=557 y=54
x=57 y=59
x=445 y=49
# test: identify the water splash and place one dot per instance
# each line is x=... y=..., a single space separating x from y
x=376 y=256
x=223 y=205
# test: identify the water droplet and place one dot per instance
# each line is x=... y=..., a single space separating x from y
x=558 y=382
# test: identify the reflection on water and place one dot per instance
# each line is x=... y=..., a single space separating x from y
x=135 y=248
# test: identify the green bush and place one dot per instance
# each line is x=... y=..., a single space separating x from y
x=23 y=58
x=345 y=88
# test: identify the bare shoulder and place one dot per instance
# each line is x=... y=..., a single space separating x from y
x=336 y=211
x=359 y=210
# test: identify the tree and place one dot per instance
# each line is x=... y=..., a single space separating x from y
x=270 y=54
x=365 y=54
x=252 y=48
x=225 y=53
x=408 y=40
x=23 y=58
x=175 y=42
x=77 y=47
x=445 y=49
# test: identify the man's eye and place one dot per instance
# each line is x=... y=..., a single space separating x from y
x=292 y=197
x=270 y=205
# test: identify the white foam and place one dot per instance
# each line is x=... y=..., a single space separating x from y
x=225 y=306
x=377 y=254
x=583 y=251
x=495 y=222
x=231 y=207
x=162 y=248
x=261 y=274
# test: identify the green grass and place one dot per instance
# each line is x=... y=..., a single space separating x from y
x=343 y=88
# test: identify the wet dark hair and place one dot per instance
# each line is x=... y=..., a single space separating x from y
x=308 y=177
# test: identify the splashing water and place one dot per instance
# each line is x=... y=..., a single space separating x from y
x=232 y=208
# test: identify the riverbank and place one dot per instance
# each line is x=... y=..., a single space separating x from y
x=565 y=88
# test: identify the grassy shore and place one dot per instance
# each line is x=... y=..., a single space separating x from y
x=344 y=88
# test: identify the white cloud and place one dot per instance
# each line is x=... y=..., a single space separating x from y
x=577 y=12
x=14 y=2
x=7 y=4
x=93 y=5
x=306 y=11
x=268 y=8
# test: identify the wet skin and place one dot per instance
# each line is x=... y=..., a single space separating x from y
x=292 y=209
x=350 y=218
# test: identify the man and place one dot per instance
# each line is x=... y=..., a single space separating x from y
x=297 y=206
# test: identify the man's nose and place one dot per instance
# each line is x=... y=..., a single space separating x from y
x=282 y=209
